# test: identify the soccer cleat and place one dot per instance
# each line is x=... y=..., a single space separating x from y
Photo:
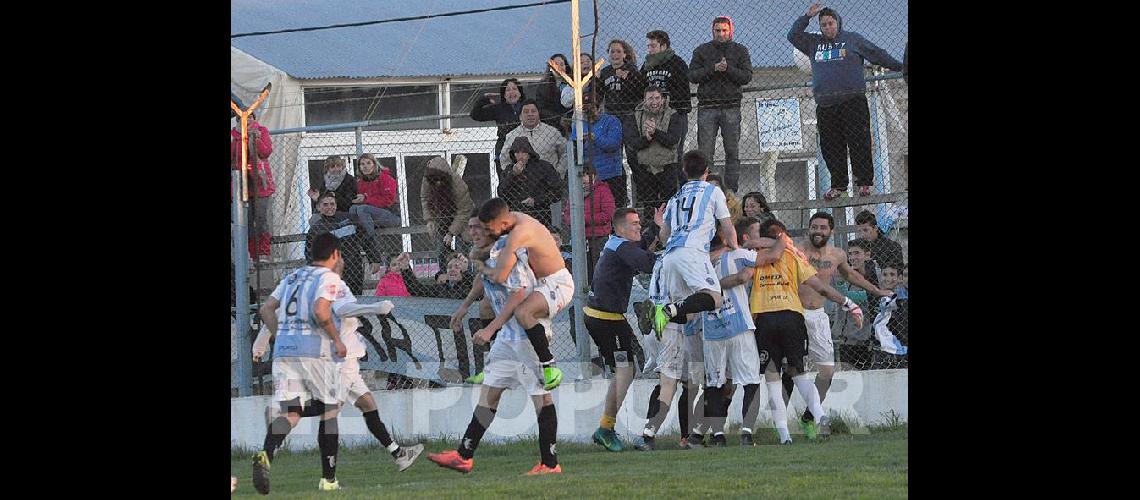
x=607 y=438
x=552 y=376
x=644 y=312
x=719 y=440
x=693 y=443
x=824 y=426
x=451 y=460
x=325 y=485
x=789 y=441
x=809 y=429
x=261 y=472
x=660 y=319
x=643 y=443
x=746 y=439
x=408 y=456
x=475 y=379
x=541 y=469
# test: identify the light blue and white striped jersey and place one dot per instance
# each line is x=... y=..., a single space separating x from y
x=297 y=331
x=658 y=293
x=521 y=275
x=692 y=215
x=734 y=316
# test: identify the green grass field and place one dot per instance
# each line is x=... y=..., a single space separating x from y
x=843 y=466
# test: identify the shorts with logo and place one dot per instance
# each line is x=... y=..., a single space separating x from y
x=779 y=335
x=558 y=290
x=821 y=349
x=733 y=358
x=685 y=271
x=611 y=335
x=306 y=379
x=513 y=364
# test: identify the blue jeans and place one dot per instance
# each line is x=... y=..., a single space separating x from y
x=728 y=121
x=366 y=213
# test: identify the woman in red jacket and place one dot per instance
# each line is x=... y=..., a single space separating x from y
x=260 y=182
x=376 y=197
x=598 y=212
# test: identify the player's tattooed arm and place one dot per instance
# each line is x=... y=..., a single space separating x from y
x=768 y=250
x=269 y=314
x=737 y=279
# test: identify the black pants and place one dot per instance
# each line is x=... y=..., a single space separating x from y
x=846 y=127
x=617 y=188
x=659 y=188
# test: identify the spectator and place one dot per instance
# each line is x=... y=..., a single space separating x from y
x=602 y=146
x=337 y=180
x=376 y=196
x=859 y=257
x=734 y=209
x=549 y=96
x=851 y=341
x=530 y=185
x=547 y=141
x=445 y=202
x=883 y=250
x=352 y=242
x=598 y=211
x=502 y=108
x=624 y=87
x=652 y=134
x=455 y=282
x=394 y=277
x=840 y=95
x=587 y=65
x=260 y=180
x=900 y=318
x=754 y=205
x=669 y=72
x=720 y=69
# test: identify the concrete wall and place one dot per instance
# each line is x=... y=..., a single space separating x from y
x=862 y=396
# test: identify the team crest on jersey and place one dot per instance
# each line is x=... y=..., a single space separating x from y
x=710 y=281
x=552 y=297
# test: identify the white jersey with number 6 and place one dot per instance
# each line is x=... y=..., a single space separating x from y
x=692 y=215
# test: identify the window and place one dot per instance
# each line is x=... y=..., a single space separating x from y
x=333 y=105
x=463 y=97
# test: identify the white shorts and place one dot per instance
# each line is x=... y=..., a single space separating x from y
x=513 y=364
x=681 y=357
x=307 y=379
x=821 y=350
x=352 y=385
x=736 y=358
x=686 y=271
x=557 y=289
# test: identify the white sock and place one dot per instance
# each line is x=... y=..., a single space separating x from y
x=745 y=430
x=779 y=413
x=810 y=394
x=393 y=447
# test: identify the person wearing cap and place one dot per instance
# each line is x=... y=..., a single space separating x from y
x=721 y=68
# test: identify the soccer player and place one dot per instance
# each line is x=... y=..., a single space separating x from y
x=480 y=243
x=512 y=363
x=780 y=329
x=304 y=374
x=623 y=256
x=555 y=286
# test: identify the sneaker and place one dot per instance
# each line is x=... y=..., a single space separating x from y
x=452 y=460
x=693 y=443
x=661 y=317
x=541 y=469
x=833 y=193
x=746 y=439
x=809 y=429
x=475 y=379
x=607 y=438
x=325 y=485
x=824 y=427
x=261 y=472
x=698 y=440
x=643 y=443
x=408 y=456
x=552 y=376
x=720 y=441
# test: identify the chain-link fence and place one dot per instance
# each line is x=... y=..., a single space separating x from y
x=781 y=110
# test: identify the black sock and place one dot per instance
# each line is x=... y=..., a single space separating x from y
x=548 y=435
x=715 y=410
x=807 y=416
x=697 y=414
x=480 y=421
x=327 y=442
x=654 y=404
x=789 y=387
x=278 y=429
x=537 y=336
x=751 y=407
x=696 y=303
x=376 y=427
x=685 y=408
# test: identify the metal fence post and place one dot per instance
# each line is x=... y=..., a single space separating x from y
x=241 y=285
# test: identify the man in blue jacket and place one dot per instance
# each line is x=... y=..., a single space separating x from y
x=602 y=146
x=840 y=95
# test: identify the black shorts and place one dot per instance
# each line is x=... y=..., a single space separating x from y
x=610 y=336
x=779 y=335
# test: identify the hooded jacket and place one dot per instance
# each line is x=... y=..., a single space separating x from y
x=720 y=89
x=538 y=180
x=464 y=208
x=837 y=64
x=662 y=150
x=668 y=71
x=261 y=177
